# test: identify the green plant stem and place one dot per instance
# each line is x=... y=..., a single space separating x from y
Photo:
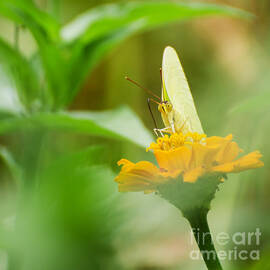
x=198 y=222
x=32 y=142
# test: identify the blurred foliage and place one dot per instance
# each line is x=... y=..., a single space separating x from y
x=59 y=207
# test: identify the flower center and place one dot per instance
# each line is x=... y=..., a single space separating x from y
x=176 y=140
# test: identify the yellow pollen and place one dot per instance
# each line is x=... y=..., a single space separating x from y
x=176 y=140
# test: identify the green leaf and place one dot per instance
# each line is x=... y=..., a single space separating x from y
x=54 y=69
x=121 y=124
x=105 y=19
x=94 y=33
x=26 y=13
x=15 y=169
x=92 y=155
x=6 y=114
x=9 y=99
x=45 y=30
x=18 y=79
x=87 y=57
x=85 y=41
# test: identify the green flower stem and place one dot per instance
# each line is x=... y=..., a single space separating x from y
x=193 y=200
x=198 y=222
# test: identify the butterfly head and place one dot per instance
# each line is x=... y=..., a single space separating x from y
x=167 y=113
x=165 y=107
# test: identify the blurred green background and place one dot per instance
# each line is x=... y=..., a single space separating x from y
x=67 y=115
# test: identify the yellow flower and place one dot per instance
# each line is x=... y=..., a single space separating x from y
x=190 y=156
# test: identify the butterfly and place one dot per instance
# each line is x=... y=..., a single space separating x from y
x=177 y=107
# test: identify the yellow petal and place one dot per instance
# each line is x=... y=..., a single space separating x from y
x=228 y=150
x=250 y=161
x=216 y=140
x=134 y=186
x=174 y=160
x=192 y=175
x=126 y=164
x=231 y=151
x=202 y=155
x=138 y=176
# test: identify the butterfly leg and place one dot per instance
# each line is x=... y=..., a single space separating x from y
x=172 y=127
x=156 y=131
x=163 y=130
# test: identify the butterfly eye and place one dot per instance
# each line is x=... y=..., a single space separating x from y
x=160 y=108
x=169 y=107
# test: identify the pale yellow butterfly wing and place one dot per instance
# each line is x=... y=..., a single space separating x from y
x=175 y=87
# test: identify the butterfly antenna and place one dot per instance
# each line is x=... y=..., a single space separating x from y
x=158 y=103
x=145 y=89
x=152 y=115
